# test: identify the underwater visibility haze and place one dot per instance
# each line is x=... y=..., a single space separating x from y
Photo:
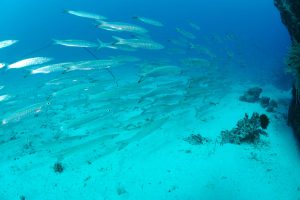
x=146 y=100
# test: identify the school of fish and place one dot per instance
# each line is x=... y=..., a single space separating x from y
x=129 y=94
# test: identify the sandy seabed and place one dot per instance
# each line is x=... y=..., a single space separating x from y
x=161 y=164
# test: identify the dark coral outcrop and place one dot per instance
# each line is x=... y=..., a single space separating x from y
x=247 y=130
x=290 y=15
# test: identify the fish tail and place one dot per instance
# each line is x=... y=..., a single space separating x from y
x=119 y=40
x=191 y=45
x=55 y=41
x=99 y=23
x=101 y=44
x=65 y=11
x=4 y=66
x=7 y=67
x=142 y=78
x=122 y=145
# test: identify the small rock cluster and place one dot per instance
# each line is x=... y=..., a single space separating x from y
x=196 y=139
x=252 y=95
x=248 y=130
x=58 y=167
x=269 y=104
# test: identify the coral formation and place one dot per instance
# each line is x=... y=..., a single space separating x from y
x=248 y=130
x=121 y=190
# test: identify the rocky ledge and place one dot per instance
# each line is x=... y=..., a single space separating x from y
x=290 y=15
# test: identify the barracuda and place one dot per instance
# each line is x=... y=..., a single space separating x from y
x=7 y=43
x=84 y=14
x=148 y=21
x=139 y=43
x=29 y=62
x=24 y=113
x=186 y=34
x=121 y=27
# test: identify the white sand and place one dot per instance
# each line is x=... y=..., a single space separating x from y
x=164 y=166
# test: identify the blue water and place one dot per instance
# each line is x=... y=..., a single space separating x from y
x=261 y=41
x=116 y=139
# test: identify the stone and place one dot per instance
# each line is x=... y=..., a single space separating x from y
x=251 y=95
x=264 y=101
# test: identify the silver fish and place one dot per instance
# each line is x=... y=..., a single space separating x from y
x=81 y=65
x=196 y=62
x=7 y=43
x=24 y=113
x=121 y=27
x=146 y=131
x=51 y=68
x=186 y=34
x=29 y=62
x=2 y=65
x=4 y=97
x=161 y=71
x=138 y=43
x=195 y=26
x=76 y=43
x=84 y=44
x=148 y=21
x=98 y=64
x=84 y=14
